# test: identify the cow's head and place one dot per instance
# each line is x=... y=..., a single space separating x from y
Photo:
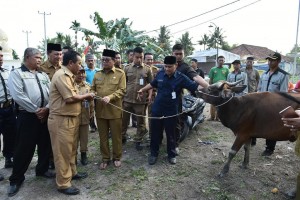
x=219 y=91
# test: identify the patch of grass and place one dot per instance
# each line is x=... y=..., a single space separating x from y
x=140 y=174
x=213 y=137
x=216 y=162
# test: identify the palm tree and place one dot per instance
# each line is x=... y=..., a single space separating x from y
x=187 y=44
x=163 y=40
x=216 y=38
x=75 y=26
x=204 y=40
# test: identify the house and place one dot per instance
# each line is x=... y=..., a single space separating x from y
x=207 y=58
x=260 y=54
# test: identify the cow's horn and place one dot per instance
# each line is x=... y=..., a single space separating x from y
x=217 y=85
x=234 y=83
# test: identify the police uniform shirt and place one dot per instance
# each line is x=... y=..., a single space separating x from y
x=49 y=68
x=137 y=77
x=276 y=82
x=63 y=87
x=30 y=90
x=113 y=85
x=165 y=103
x=233 y=77
x=5 y=74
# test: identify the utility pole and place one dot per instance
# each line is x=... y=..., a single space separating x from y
x=216 y=42
x=27 y=32
x=45 y=45
x=296 y=45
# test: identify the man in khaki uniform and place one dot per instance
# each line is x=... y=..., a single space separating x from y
x=118 y=61
x=148 y=59
x=50 y=66
x=54 y=53
x=137 y=76
x=87 y=111
x=63 y=122
x=110 y=85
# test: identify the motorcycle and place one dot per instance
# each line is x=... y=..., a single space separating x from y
x=192 y=108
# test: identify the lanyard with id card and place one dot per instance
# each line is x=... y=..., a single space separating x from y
x=173 y=93
x=141 y=80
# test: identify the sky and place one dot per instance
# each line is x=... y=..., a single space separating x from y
x=266 y=23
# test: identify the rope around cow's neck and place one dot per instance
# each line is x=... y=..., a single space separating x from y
x=218 y=97
x=162 y=117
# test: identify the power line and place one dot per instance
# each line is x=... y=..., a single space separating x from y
x=196 y=16
x=216 y=17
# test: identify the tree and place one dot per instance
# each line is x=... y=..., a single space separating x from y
x=216 y=38
x=186 y=42
x=204 y=41
x=163 y=40
x=15 y=55
x=115 y=34
x=75 y=26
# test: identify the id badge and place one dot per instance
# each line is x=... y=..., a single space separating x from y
x=141 y=81
x=173 y=95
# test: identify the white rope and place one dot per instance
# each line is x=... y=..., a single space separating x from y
x=163 y=117
x=217 y=97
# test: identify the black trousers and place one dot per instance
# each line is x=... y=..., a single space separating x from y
x=158 y=126
x=8 y=130
x=30 y=132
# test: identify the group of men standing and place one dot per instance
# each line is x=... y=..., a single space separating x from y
x=51 y=99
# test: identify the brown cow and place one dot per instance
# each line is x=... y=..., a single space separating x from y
x=252 y=115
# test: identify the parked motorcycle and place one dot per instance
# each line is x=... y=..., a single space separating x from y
x=192 y=108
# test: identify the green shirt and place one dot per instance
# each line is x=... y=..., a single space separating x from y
x=218 y=74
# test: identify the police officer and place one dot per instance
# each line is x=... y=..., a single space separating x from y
x=238 y=75
x=53 y=63
x=63 y=122
x=87 y=111
x=273 y=80
x=137 y=76
x=169 y=84
x=109 y=84
x=29 y=88
x=7 y=117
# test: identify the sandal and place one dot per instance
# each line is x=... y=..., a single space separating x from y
x=103 y=165
x=117 y=163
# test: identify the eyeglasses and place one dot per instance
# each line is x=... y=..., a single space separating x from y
x=105 y=59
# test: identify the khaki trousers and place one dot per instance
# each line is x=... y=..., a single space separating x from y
x=63 y=133
x=115 y=127
x=138 y=109
x=83 y=137
x=213 y=113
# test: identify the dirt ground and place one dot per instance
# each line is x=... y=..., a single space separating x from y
x=202 y=156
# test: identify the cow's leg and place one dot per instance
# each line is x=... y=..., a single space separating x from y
x=247 y=154
x=234 y=149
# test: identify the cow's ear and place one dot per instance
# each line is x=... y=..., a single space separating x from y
x=238 y=89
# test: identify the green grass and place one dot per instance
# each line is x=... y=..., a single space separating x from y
x=140 y=174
